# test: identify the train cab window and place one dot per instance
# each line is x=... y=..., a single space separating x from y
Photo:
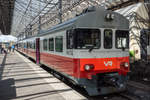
x=45 y=44
x=59 y=44
x=122 y=39
x=87 y=38
x=108 y=38
x=51 y=44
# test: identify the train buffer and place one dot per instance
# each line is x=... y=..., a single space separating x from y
x=21 y=79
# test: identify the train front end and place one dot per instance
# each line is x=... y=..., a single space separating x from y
x=101 y=52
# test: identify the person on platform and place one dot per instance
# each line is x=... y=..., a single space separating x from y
x=13 y=48
x=9 y=49
x=2 y=49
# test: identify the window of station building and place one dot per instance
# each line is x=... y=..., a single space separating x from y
x=122 y=39
x=108 y=36
x=51 y=44
x=45 y=44
x=59 y=44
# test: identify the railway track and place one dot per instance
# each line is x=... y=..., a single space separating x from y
x=129 y=97
x=135 y=91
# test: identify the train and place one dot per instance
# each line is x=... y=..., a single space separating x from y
x=91 y=50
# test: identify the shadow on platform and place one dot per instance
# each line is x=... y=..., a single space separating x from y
x=2 y=66
x=10 y=86
x=7 y=88
x=42 y=94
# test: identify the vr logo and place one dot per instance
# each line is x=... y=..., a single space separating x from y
x=108 y=63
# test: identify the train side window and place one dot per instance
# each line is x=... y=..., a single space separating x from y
x=24 y=44
x=70 y=39
x=28 y=45
x=45 y=44
x=59 y=44
x=51 y=44
x=34 y=45
x=31 y=45
x=108 y=38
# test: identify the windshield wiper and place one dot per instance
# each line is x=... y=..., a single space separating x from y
x=123 y=48
x=91 y=48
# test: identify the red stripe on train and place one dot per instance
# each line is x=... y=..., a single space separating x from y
x=75 y=67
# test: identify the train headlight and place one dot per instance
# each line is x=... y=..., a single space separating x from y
x=126 y=64
x=88 y=67
x=112 y=16
x=109 y=16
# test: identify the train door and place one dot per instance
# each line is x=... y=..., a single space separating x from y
x=70 y=42
x=69 y=50
x=38 y=50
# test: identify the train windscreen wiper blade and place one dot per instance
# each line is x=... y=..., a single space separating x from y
x=91 y=48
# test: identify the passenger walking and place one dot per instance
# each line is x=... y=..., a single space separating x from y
x=2 y=50
x=13 y=48
x=9 y=49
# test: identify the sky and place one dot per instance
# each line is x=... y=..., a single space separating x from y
x=7 y=38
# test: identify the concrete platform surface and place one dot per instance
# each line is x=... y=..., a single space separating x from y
x=20 y=79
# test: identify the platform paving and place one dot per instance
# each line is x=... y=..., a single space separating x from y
x=21 y=79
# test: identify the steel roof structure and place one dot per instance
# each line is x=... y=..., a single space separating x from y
x=30 y=16
x=6 y=13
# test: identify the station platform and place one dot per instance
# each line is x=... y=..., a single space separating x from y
x=21 y=79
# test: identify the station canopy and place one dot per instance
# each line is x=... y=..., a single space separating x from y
x=6 y=14
x=17 y=15
x=7 y=38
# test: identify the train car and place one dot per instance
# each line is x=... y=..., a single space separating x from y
x=27 y=47
x=92 y=50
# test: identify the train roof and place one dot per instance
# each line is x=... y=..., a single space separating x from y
x=60 y=26
x=92 y=18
